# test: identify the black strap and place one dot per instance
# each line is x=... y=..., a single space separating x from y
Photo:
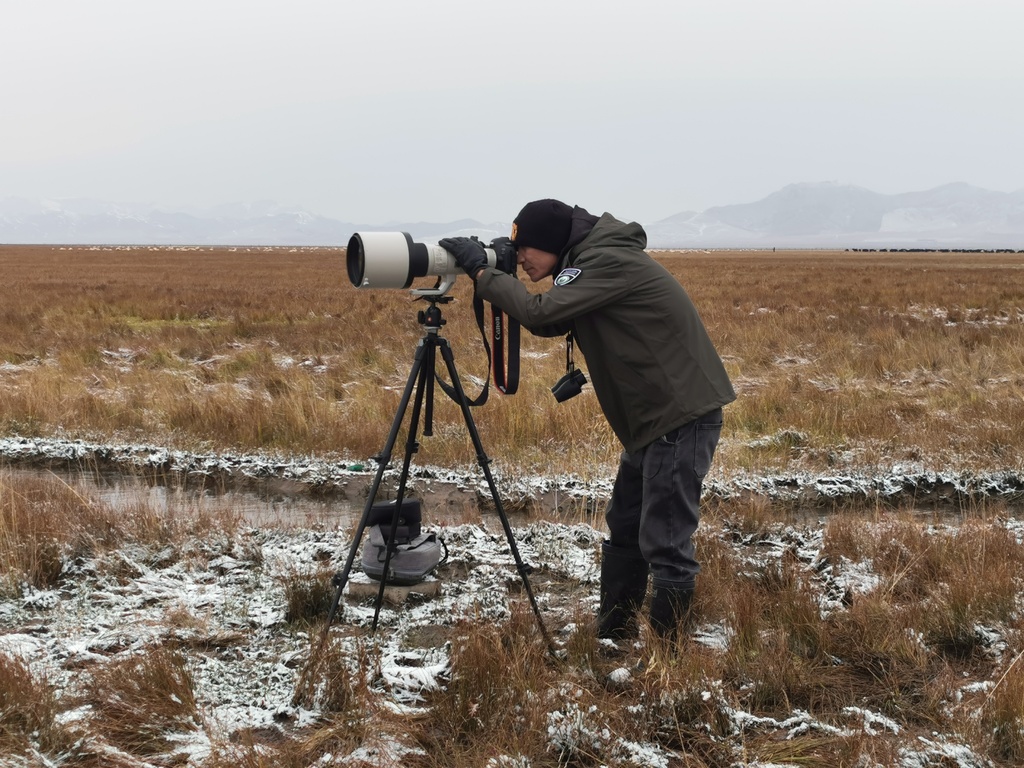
x=505 y=337
x=504 y=359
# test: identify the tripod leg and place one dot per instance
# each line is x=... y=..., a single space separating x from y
x=424 y=385
x=341 y=578
x=484 y=462
x=428 y=412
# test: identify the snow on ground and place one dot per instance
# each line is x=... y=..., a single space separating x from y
x=223 y=597
x=893 y=484
x=226 y=597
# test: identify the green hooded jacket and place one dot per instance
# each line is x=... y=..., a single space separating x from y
x=648 y=355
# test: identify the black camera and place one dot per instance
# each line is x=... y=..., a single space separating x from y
x=505 y=257
x=393 y=259
x=569 y=385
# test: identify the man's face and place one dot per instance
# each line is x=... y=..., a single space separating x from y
x=537 y=264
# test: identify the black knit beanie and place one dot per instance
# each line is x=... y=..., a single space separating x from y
x=543 y=224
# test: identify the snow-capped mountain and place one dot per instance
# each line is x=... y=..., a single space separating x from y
x=837 y=215
x=799 y=215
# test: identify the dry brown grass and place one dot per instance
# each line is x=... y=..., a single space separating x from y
x=140 y=703
x=29 y=707
x=336 y=683
x=1002 y=713
x=483 y=711
x=308 y=596
x=954 y=578
x=45 y=524
x=892 y=356
x=839 y=358
x=48 y=527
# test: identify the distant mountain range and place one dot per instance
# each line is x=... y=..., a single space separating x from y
x=799 y=215
x=837 y=215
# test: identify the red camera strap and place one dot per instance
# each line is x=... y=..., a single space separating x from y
x=505 y=338
x=503 y=358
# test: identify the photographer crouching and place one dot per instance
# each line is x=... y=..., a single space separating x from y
x=657 y=376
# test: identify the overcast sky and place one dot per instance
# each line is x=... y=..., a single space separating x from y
x=382 y=111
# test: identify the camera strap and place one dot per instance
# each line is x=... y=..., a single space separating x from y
x=569 y=364
x=503 y=358
x=505 y=339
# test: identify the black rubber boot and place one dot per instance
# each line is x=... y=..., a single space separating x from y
x=623 y=586
x=670 y=611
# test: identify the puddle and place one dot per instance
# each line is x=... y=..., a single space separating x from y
x=277 y=502
x=257 y=506
x=307 y=491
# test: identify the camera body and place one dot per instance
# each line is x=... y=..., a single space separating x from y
x=569 y=385
x=394 y=259
x=505 y=257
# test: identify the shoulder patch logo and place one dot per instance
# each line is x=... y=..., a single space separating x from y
x=567 y=275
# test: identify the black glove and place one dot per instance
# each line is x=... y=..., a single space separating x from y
x=468 y=252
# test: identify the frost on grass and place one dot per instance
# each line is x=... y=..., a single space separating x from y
x=223 y=603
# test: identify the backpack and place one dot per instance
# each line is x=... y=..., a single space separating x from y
x=414 y=554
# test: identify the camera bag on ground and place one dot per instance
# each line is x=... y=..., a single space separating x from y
x=414 y=554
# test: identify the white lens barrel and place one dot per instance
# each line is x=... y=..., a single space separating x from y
x=380 y=260
x=393 y=259
x=439 y=262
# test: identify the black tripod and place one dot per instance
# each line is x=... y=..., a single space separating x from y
x=423 y=376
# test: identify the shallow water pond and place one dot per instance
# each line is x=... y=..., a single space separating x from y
x=258 y=506
x=274 y=502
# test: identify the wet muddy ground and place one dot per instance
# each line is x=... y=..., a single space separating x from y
x=322 y=492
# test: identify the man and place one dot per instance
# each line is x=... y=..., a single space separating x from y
x=657 y=377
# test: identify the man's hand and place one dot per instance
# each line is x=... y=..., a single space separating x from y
x=468 y=252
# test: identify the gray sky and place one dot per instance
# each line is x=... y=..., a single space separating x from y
x=373 y=112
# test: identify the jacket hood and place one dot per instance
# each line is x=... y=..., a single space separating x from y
x=581 y=224
x=588 y=230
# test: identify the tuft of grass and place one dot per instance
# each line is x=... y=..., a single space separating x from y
x=682 y=704
x=847 y=535
x=29 y=707
x=1002 y=714
x=44 y=523
x=308 y=595
x=259 y=748
x=966 y=575
x=885 y=662
x=481 y=713
x=335 y=682
x=777 y=655
x=140 y=703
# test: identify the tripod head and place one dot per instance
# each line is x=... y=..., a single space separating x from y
x=503 y=359
x=430 y=318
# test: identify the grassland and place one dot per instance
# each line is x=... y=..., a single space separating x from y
x=839 y=359
x=873 y=637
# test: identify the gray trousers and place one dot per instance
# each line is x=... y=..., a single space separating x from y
x=655 y=503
